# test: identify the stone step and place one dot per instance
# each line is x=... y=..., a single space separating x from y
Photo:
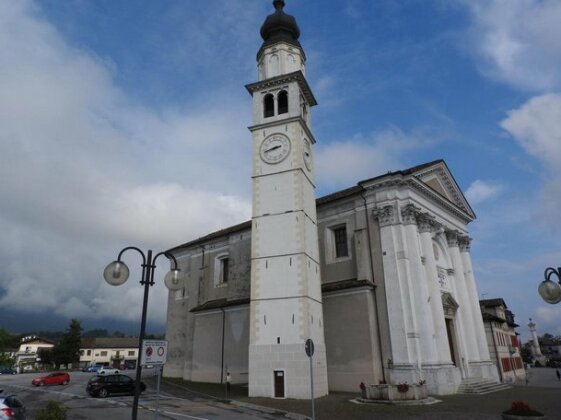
x=481 y=386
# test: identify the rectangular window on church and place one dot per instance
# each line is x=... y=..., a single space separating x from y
x=341 y=247
x=224 y=270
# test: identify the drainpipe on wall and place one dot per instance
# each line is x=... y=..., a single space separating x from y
x=374 y=289
x=222 y=355
x=497 y=353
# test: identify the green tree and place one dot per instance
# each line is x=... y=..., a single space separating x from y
x=7 y=341
x=68 y=348
x=526 y=353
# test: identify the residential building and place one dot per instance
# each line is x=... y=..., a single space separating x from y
x=118 y=352
x=28 y=356
x=502 y=339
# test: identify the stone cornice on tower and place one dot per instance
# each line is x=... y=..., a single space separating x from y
x=296 y=76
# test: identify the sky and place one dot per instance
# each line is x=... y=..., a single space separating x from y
x=124 y=123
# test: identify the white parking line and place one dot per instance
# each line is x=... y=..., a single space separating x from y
x=183 y=415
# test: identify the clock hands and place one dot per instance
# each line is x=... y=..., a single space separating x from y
x=278 y=146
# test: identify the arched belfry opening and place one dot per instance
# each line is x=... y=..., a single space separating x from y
x=283 y=102
x=268 y=105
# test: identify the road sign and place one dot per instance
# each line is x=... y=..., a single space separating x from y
x=309 y=347
x=154 y=352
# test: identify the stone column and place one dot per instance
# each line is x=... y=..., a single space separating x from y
x=479 y=328
x=426 y=225
x=464 y=314
x=419 y=288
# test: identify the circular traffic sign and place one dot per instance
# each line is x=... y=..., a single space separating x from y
x=149 y=351
x=161 y=351
x=309 y=347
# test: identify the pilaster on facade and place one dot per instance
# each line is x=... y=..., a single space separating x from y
x=464 y=245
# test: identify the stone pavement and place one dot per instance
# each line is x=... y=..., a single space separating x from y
x=542 y=393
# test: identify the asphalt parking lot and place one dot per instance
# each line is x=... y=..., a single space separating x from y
x=185 y=400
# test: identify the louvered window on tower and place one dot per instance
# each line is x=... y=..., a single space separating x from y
x=283 y=102
x=268 y=106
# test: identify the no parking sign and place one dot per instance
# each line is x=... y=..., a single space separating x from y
x=154 y=352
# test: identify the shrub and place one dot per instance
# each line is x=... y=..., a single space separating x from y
x=53 y=411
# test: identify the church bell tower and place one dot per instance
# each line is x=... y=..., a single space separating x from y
x=286 y=302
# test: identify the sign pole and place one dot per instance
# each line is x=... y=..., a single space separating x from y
x=312 y=387
x=157 y=412
x=309 y=347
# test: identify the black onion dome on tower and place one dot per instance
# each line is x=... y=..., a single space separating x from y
x=279 y=27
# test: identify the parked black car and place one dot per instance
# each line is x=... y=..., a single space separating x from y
x=11 y=407
x=104 y=385
x=7 y=371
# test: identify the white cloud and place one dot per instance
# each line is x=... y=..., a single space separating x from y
x=343 y=163
x=85 y=171
x=536 y=126
x=547 y=320
x=480 y=191
x=518 y=41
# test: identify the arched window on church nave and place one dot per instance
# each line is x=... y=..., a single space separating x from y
x=283 y=102
x=268 y=105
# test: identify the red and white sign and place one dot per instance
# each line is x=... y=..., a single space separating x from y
x=154 y=352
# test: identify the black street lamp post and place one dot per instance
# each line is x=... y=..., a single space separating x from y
x=117 y=273
x=549 y=290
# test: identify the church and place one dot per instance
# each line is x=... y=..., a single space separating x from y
x=378 y=275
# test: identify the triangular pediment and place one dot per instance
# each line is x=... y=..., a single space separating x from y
x=438 y=178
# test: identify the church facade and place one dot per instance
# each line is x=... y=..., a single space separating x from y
x=379 y=275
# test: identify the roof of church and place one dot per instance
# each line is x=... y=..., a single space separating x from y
x=348 y=192
x=325 y=287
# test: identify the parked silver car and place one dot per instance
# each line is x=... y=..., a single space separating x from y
x=11 y=408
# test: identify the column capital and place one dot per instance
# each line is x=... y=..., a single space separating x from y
x=385 y=215
x=409 y=214
x=427 y=223
x=452 y=237
x=464 y=243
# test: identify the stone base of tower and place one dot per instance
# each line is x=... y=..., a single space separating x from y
x=283 y=371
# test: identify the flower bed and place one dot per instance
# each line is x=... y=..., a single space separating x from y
x=519 y=410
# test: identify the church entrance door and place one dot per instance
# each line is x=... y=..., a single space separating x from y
x=279 y=384
x=451 y=341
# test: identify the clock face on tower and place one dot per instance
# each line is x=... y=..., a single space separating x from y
x=275 y=148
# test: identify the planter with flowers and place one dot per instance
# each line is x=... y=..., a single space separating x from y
x=396 y=392
x=519 y=410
